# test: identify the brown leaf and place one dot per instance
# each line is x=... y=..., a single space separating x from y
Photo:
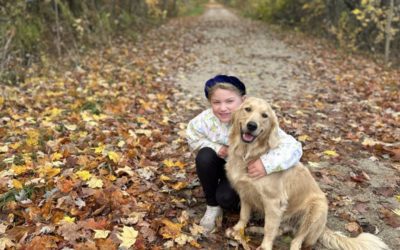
x=353 y=227
x=106 y=244
x=43 y=242
x=70 y=231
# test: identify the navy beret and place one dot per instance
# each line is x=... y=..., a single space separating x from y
x=225 y=79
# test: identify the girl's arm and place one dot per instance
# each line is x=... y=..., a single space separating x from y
x=283 y=157
x=196 y=136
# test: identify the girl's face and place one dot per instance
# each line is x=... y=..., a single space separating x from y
x=224 y=102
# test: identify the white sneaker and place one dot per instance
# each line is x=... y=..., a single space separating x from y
x=209 y=220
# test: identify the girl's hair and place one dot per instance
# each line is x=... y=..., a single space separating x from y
x=222 y=85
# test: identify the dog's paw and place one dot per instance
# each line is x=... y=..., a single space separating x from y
x=230 y=233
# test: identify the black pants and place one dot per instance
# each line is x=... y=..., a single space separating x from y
x=211 y=172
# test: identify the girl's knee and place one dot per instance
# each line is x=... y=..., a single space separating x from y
x=228 y=199
x=205 y=157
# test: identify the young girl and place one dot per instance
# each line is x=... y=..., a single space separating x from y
x=208 y=133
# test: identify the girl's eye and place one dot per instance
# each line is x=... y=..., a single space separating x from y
x=264 y=115
x=247 y=109
x=229 y=101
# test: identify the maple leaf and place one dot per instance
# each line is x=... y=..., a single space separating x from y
x=84 y=175
x=114 y=156
x=17 y=184
x=95 y=183
x=100 y=149
x=171 y=229
x=5 y=243
x=19 y=169
x=128 y=236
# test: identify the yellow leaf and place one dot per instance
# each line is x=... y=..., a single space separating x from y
x=48 y=171
x=128 y=237
x=164 y=178
x=303 y=138
x=114 y=156
x=142 y=120
x=171 y=230
x=68 y=219
x=111 y=177
x=33 y=138
x=55 y=112
x=331 y=153
x=56 y=156
x=17 y=184
x=180 y=164
x=179 y=185
x=101 y=234
x=19 y=169
x=15 y=145
x=95 y=183
x=99 y=149
x=356 y=12
x=169 y=163
x=398 y=198
x=84 y=175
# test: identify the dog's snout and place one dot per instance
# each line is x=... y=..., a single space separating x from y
x=251 y=126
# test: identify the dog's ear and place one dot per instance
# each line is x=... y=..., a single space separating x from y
x=273 y=138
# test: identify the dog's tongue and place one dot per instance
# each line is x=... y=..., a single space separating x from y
x=247 y=137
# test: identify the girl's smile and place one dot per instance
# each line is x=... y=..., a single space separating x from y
x=224 y=102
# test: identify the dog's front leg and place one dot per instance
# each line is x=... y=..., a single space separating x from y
x=272 y=219
x=245 y=212
x=238 y=229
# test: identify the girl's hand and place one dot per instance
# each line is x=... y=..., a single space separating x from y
x=223 y=152
x=256 y=169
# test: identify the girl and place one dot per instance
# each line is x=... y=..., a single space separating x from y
x=208 y=133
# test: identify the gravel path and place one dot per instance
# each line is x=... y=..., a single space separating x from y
x=236 y=46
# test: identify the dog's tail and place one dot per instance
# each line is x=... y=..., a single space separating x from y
x=364 y=241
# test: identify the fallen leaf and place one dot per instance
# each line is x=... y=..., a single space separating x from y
x=95 y=183
x=352 y=227
x=84 y=175
x=101 y=234
x=128 y=236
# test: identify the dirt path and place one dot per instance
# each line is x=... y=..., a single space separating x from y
x=236 y=46
x=228 y=44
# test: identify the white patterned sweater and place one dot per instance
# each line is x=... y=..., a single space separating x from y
x=206 y=130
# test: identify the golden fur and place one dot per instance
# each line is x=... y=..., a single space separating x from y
x=291 y=196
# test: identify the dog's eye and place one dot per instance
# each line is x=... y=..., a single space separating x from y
x=264 y=115
x=247 y=109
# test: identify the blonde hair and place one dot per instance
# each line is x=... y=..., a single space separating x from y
x=226 y=86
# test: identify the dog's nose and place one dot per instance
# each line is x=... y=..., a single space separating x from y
x=251 y=126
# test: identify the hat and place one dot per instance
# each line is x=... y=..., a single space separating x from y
x=225 y=79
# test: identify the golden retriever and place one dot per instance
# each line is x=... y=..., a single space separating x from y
x=291 y=196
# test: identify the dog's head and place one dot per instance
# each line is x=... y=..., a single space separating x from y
x=256 y=122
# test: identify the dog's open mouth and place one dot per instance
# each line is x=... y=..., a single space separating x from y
x=248 y=137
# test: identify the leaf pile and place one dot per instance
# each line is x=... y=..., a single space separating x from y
x=93 y=158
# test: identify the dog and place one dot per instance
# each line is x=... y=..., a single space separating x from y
x=291 y=196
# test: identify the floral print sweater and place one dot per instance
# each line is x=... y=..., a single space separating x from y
x=206 y=130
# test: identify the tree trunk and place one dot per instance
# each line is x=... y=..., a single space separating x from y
x=388 y=31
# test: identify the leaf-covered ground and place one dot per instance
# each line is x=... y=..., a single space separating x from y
x=94 y=157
